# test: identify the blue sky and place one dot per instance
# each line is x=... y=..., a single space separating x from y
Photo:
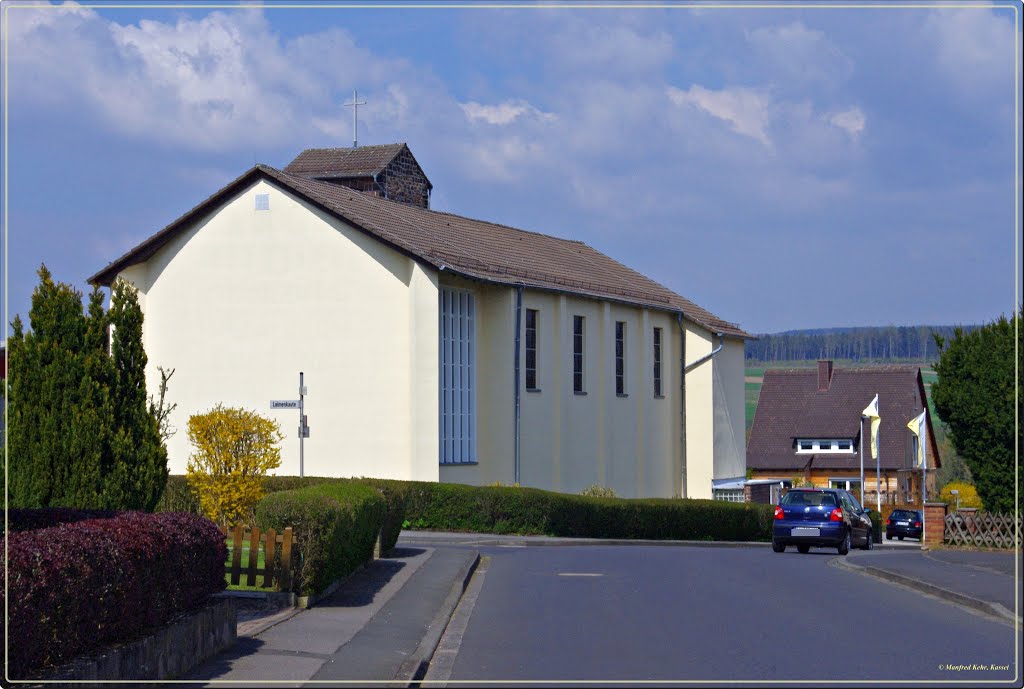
x=782 y=167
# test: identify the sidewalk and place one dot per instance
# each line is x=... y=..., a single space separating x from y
x=381 y=624
x=986 y=581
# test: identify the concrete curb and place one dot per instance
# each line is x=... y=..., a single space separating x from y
x=494 y=540
x=257 y=626
x=991 y=609
x=413 y=669
x=554 y=541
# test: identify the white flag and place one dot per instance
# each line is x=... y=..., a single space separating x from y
x=918 y=428
x=871 y=411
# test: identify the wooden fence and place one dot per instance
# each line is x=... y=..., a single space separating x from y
x=982 y=529
x=277 y=562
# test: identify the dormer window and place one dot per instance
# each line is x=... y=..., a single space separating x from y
x=820 y=445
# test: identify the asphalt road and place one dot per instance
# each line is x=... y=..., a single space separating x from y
x=628 y=613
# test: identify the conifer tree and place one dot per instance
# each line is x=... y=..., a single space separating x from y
x=139 y=457
x=54 y=405
x=79 y=430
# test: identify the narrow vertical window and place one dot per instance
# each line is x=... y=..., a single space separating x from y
x=620 y=357
x=531 y=349
x=657 y=362
x=456 y=425
x=577 y=353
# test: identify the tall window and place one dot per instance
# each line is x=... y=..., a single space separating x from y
x=457 y=400
x=620 y=357
x=577 y=353
x=657 y=362
x=531 y=349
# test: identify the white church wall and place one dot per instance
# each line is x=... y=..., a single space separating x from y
x=247 y=298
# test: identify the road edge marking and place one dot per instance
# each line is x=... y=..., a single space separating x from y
x=441 y=663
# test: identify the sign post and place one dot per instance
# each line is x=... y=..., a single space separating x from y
x=299 y=404
x=302 y=424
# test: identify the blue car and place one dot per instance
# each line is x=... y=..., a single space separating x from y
x=820 y=518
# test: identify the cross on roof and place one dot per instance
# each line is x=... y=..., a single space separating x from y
x=355 y=114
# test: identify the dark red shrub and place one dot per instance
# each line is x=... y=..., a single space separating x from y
x=79 y=586
x=42 y=518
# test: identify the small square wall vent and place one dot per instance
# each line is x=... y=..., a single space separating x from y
x=263 y=202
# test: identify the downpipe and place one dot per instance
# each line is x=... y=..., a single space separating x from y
x=716 y=350
x=682 y=404
x=519 y=321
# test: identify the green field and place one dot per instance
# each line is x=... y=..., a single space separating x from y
x=751 y=391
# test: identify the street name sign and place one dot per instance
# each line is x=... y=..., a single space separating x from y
x=284 y=404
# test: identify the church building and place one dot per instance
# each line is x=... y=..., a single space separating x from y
x=433 y=347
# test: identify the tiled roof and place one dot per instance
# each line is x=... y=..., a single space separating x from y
x=472 y=248
x=791 y=406
x=364 y=161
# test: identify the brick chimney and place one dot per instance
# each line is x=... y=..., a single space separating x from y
x=824 y=374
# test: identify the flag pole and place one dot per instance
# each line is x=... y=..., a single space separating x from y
x=924 y=472
x=862 y=491
x=924 y=460
x=878 y=464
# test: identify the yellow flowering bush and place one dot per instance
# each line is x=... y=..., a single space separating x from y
x=968 y=495
x=233 y=450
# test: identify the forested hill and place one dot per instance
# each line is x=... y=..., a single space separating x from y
x=914 y=343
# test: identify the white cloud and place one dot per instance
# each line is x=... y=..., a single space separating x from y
x=973 y=46
x=505 y=159
x=612 y=48
x=796 y=54
x=223 y=82
x=852 y=121
x=747 y=110
x=503 y=113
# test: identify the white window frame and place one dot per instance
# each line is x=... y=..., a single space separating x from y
x=729 y=494
x=850 y=483
x=824 y=446
x=457 y=376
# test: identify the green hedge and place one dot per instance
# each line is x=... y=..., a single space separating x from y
x=876 y=525
x=179 y=497
x=507 y=510
x=396 y=495
x=334 y=524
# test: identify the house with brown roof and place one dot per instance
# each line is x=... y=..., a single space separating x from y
x=808 y=430
x=433 y=346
